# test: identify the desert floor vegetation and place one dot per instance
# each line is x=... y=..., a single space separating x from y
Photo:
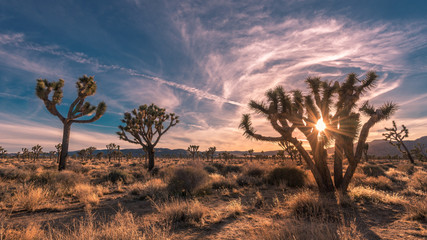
x=217 y=199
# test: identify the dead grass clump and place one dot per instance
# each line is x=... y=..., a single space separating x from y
x=361 y=193
x=380 y=183
x=31 y=198
x=230 y=169
x=179 y=211
x=220 y=182
x=309 y=205
x=30 y=232
x=301 y=230
x=118 y=175
x=291 y=176
x=396 y=175
x=371 y=170
x=407 y=168
x=15 y=174
x=234 y=208
x=417 y=210
x=87 y=193
x=188 y=181
x=418 y=181
x=154 y=188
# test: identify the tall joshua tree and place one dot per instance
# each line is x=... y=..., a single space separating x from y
x=193 y=150
x=312 y=115
x=146 y=125
x=86 y=86
x=111 y=148
x=58 y=151
x=395 y=138
x=3 y=152
x=37 y=150
x=210 y=153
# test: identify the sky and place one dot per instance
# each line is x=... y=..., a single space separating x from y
x=204 y=61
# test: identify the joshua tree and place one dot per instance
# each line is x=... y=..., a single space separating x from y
x=86 y=86
x=37 y=150
x=395 y=138
x=365 y=151
x=312 y=116
x=250 y=151
x=210 y=153
x=58 y=151
x=51 y=154
x=193 y=150
x=99 y=155
x=90 y=151
x=147 y=125
x=420 y=152
x=290 y=149
x=25 y=153
x=111 y=148
x=3 y=152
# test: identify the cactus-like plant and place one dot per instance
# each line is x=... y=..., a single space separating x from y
x=111 y=148
x=86 y=86
x=210 y=153
x=395 y=138
x=313 y=116
x=146 y=125
x=193 y=150
x=3 y=152
x=37 y=150
x=25 y=153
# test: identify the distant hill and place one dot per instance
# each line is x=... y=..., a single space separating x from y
x=383 y=148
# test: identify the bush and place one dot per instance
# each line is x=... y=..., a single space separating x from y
x=406 y=168
x=220 y=182
x=291 y=176
x=153 y=188
x=210 y=169
x=189 y=212
x=117 y=175
x=188 y=180
x=230 y=169
x=371 y=170
x=309 y=205
x=418 y=181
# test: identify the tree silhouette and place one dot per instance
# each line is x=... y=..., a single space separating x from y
x=37 y=150
x=147 y=125
x=86 y=86
x=250 y=151
x=395 y=138
x=210 y=153
x=193 y=150
x=111 y=148
x=3 y=152
x=58 y=151
x=287 y=112
x=25 y=153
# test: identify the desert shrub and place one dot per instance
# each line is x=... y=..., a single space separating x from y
x=178 y=211
x=296 y=229
x=254 y=171
x=14 y=174
x=362 y=193
x=30 y=232
x=234 y=208
x=230 y=169
x=153 y=188
x=43 y=177
x=117 y=175
x=418 y=181
x=417 y=210
x=380 y=183
x=371 y=170
x=31 y=198
x=218 y=166
x=307 y=204
x=291 y=176
x=188 y=180
x=396 y=176
x=244 y=180
x=87 y=193
x=406 y=168
x=210 y=169
x=220 y=182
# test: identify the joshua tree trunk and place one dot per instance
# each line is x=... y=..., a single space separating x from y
x=150 y=152
x=408 y=153
x=65 y=144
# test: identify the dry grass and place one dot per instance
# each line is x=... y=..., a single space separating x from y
x=31 y=198
x=417 y=210
x=369 y=194
x=154 y=188
x=309 y=205
x=397 y=175
x=301 y=230
x=380 y=183
x=88 y=194
x=234 y=208
x=418 y=181
x=188 y=181
x=183 y=211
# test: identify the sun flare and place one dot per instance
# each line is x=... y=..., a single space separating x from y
x=320 y=125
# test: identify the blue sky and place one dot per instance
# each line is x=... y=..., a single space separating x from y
x=203 y=60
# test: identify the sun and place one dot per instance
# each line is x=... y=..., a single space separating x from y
x=320 y=125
